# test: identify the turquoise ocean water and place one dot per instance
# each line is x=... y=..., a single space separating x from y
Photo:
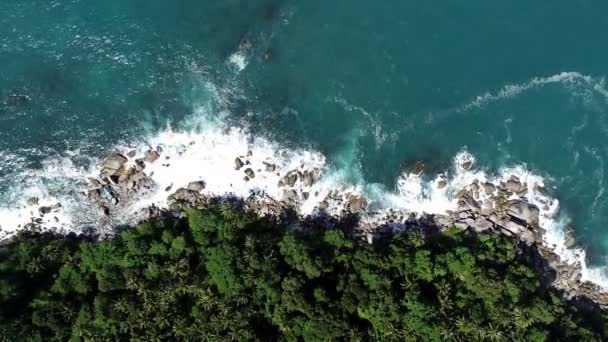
x=371 y=85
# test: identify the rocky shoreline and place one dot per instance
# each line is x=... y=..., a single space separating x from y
x=481 y=207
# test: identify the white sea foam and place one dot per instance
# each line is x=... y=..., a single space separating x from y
x=512 y=90
x=239 y=60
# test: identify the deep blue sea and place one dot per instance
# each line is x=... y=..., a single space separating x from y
x=372 y=85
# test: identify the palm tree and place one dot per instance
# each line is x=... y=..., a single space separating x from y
x=416 y=239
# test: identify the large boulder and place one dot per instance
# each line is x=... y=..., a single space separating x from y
x=523 y=211
x=481 y=225
x=290 y=179
x=489 y=187
x=238 y=163
x=466 y=202
x=112 y=163
x=151 y=156
x=184 y=195
x=196 y=186
x=357 y=203
x=308 y=179
x=513 y=185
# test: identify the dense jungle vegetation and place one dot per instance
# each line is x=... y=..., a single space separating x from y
x=220 y=274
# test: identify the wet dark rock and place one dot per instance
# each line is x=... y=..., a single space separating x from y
x=32 y=201
x=467 y=165
x=270 y=167
x=441 y=184
x=132 y=154
x=238 y=163
x=417 y=168
x=249 y=172
x=44 y=210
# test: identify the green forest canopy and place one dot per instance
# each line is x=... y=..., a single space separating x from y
x=221 y=274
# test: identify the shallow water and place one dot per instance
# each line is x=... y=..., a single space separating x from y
x=370 y=87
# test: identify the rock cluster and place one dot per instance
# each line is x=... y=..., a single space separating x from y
x=121 y=178
x=504 y=208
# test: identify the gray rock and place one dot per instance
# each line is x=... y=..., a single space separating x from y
x=159 y=149
x=249 y=172
x=514 y=227
x=569 y=243
x=32 y=201
x=197 y=186
x=417 y=168
x=441 y=184
x=462 y=193
x=464 y=215
x=489 y=188
x=238 y=163
x=523 y=211
x=184 y=195
x=308 y=179
x=444 y=221
x=132 y=154
x=471 y=203
x=481 y=225
x=151 y=156
x=466 y=165
x=305 y=195
x=513 y=186
x=290 y=179
x=323 y=205
x=356 y=203
x=112 y=163
x=270 y=167
x=44 y=210
x=167 y=189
